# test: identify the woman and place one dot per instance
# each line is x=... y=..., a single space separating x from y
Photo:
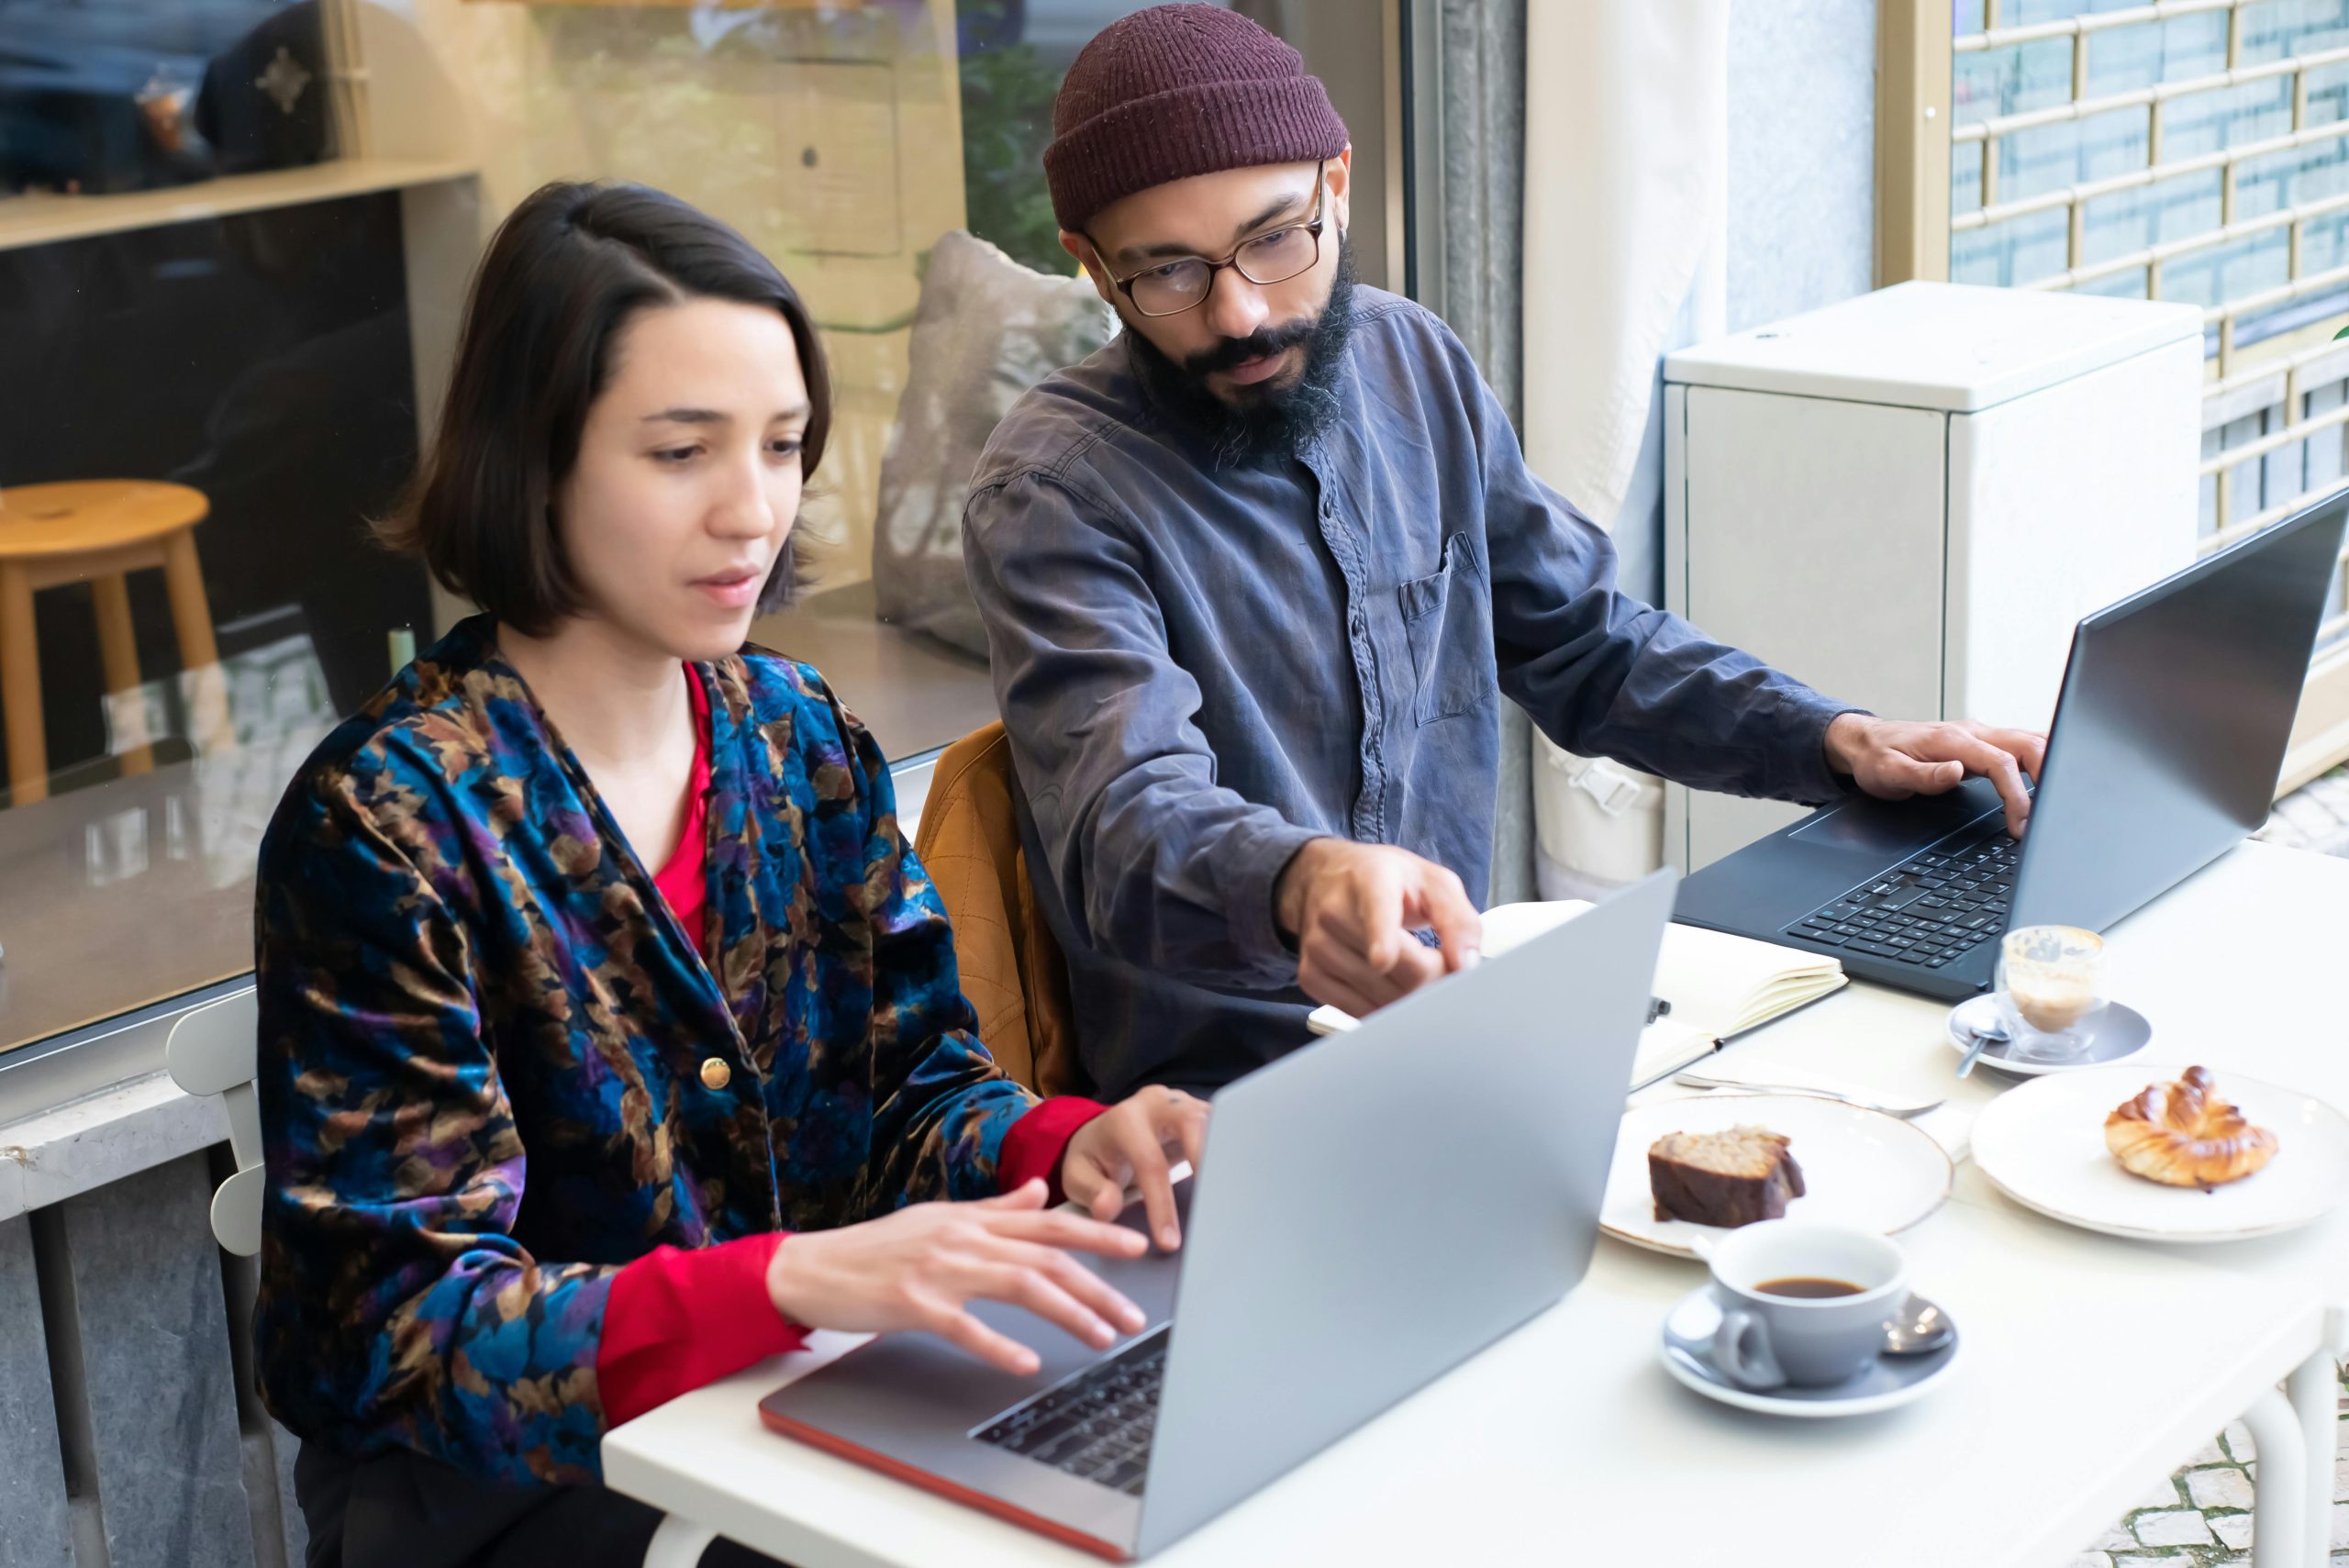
x=610 y=1034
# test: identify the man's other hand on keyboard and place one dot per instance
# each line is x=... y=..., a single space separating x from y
x=1894 y=758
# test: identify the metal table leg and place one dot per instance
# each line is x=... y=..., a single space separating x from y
x=679 y=1542
x=2279 y=1519
x=2314 y=1389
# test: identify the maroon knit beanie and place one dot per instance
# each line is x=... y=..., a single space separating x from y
x=1176 y=90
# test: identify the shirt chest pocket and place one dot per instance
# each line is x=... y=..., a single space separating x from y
x=1448 y=620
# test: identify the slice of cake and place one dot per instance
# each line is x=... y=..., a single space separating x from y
x=1728 y=1179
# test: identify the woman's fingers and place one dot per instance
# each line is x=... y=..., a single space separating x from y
x=1097 y=1191
x=1032 y=1289
x=1058 y=1227
x=1079 y=1281
x=1144 y=1151
x=959 y=1328
x=1191 y=1127
x=1029 y=1195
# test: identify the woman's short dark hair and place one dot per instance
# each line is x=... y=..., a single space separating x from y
x=567 y=270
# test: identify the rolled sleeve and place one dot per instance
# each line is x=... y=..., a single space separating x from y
x=1034 y=1148
x=1808 y=776
x=1260 y=852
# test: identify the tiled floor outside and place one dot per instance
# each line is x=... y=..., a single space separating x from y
x=2316 y=818
x=2200 y=1518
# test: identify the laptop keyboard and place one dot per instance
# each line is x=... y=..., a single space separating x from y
x=1096 y=1424
x=1929 y=910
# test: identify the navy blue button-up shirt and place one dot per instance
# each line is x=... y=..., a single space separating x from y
x=1202 y=668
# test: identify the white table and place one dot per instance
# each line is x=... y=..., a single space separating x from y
x=2092 y=1366
x=2245 y=969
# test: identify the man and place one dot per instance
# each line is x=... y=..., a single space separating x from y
x=1256 y=576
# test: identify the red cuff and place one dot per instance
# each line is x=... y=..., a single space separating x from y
x=677 y=1320
x=1034 y=1145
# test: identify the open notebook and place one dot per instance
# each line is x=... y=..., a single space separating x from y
x=1718 y=985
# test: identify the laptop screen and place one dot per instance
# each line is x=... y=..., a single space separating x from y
x=2177 y=709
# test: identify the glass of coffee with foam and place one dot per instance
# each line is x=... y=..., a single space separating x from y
x=2051 y=986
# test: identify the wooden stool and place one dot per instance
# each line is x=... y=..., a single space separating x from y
x=95 y=530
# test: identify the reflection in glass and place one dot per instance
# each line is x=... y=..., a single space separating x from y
x=196 y=420
x=266 y=367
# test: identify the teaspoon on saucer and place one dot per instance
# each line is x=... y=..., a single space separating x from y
x=1919 y=1327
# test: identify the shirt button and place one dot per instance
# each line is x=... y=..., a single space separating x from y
x=716 y=1074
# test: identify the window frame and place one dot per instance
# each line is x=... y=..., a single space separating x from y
x=1916 y=143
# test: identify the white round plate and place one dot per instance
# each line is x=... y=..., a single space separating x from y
x=1859 y=1167
x=2042 y=1143
x=1888 y=1383
x=2120 y=1031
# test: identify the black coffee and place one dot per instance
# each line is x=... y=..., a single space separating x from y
x=1808 y=1287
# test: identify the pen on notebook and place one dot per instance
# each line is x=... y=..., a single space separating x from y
x=1657 y=1006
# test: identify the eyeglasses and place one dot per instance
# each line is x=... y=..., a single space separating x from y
x=1173 y=287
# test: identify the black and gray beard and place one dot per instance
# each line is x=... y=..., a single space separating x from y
x=1263 y=421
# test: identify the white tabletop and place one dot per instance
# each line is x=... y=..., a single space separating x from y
x=2243 y=968
x=2091 y=1367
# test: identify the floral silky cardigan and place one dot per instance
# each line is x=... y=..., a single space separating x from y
x=484 y=1037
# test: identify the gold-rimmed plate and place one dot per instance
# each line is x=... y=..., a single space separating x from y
x=1859 y=1167
x=2043 y=1144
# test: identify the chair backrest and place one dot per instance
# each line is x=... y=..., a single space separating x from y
x=214 y=1050
x=1013 y=974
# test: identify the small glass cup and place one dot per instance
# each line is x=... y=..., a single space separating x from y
x=2050 y=988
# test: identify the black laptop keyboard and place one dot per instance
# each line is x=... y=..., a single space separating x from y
x=1096 y=1424
x=1929 y=910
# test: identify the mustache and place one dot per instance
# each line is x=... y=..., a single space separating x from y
x=1264 y=342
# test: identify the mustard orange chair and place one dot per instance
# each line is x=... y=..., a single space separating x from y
x=1013 y=974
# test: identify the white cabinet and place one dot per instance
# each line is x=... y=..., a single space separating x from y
x=1909 y=498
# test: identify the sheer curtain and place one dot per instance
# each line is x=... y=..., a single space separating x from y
x=1626 y=146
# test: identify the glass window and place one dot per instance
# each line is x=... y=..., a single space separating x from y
x=2237 y=203
x=234 y=240
x=196 y=420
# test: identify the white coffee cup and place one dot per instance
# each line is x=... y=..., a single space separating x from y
x=1770 y=1337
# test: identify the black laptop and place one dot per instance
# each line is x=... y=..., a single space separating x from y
x=2168 y=739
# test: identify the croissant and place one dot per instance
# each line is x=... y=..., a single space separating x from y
x=2183 y=1135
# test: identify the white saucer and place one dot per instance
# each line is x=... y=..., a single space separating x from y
x=2117 y=1031
x=2042 y=1145
x=1859 y=1167
x=1884 y=1383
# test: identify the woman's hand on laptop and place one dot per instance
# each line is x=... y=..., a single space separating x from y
x=1354 y=910
x=920 y=1267
x=1135 y=1142
x=1894 y=758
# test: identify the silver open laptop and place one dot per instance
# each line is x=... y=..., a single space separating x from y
x=1372 y=1210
